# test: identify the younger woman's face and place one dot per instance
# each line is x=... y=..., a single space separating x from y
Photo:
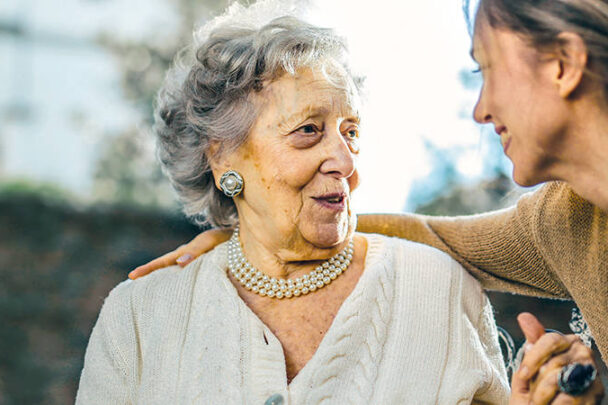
x=520 y=98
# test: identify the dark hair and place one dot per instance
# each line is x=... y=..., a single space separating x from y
x=541 y=21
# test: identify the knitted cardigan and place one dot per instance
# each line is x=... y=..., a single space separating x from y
x=416 y=329
x=553 y=243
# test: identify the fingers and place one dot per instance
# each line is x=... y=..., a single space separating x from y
x=545 y=388
x=530 y=326
x=547 y=392
x=519 y=388
x=577 y=353
x=204 y=242
x=184 y=254
x=164 y=261
x=547 y=346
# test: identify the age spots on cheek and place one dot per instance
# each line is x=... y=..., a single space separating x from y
x=265 y=183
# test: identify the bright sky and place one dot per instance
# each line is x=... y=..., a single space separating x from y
x=411 y=51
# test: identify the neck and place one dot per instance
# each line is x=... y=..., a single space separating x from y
x=283 y=257
x=585 y=164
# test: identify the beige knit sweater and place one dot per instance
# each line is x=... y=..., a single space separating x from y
x=416 y=329
x=552 y=243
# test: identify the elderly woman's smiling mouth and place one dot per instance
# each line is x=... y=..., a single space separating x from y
x=332 y=201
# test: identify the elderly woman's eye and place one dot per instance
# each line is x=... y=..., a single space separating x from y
x=308 y=129
x=352 y=136
x=353 y=133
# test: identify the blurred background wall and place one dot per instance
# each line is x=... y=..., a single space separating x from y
x=83 y=200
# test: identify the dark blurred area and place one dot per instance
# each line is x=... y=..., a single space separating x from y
x=57 y=264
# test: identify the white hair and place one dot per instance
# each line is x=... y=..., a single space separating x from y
x=206 y=95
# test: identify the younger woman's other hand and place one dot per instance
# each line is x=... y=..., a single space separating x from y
x=536 y=380
x=184 y=254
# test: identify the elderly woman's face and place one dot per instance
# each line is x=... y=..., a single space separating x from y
x=299 y=162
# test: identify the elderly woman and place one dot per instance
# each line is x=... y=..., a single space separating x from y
x=260 y=132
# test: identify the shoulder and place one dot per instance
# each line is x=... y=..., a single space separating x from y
x=431 y=278
x=413 y=254
x=158 y=295
x=556 y=200
x=421 y=264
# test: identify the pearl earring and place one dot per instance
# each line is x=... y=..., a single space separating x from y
x=231 y=183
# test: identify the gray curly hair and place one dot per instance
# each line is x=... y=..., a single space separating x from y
x=206 y=96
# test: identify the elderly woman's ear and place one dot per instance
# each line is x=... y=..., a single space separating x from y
x=221 y=163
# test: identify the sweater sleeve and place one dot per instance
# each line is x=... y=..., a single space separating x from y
x=474 y=352
x=108 y=373
x=497 y=386
x=499 y=248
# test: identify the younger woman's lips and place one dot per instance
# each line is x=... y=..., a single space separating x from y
x=505 y=146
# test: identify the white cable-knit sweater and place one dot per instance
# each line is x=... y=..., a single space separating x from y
x=417 y=329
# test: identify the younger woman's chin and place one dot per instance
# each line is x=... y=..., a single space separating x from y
x=527 y=178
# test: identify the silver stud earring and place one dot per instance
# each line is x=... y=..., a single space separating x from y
x=231 y=183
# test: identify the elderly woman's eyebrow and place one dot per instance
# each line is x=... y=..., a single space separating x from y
x=311 y=111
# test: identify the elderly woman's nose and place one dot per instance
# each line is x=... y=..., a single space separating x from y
x=339 y=159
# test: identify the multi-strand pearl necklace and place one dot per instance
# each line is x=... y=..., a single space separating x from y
x=260 y=283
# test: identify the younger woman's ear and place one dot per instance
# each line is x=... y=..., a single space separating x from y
x=572 y=55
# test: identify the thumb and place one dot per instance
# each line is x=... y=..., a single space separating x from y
x=530 y=326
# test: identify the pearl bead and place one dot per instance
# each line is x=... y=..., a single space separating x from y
x=230 y=183
x=264 y=285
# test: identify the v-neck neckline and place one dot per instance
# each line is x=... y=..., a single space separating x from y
x=369 y=265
